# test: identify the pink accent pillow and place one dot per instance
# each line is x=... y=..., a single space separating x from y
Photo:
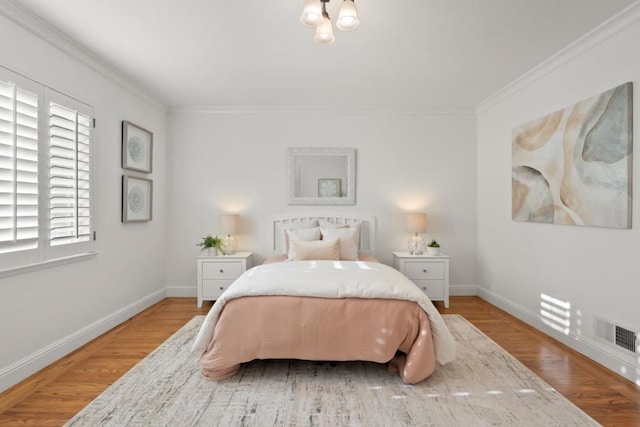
x=302 y=250
x=305 y=234
x=349 y=239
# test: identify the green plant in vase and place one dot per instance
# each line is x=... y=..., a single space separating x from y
x=433 y=248
x=211 y=244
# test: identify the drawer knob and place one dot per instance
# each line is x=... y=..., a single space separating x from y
x=424 y=287
x=221 y=287
x=424 y=270
x=221 y=271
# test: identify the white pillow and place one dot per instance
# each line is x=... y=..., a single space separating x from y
x=316 y=250
x=349 y=239
x=304 y=234
x=281 y=234
x=328 y=224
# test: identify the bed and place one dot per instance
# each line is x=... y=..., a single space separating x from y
x=315 y=306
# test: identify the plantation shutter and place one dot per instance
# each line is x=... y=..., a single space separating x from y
x=70 y=184
x=19 y=102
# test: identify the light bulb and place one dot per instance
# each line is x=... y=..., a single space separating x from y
x=348 y=16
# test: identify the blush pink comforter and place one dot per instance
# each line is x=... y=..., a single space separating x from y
x=311 y=328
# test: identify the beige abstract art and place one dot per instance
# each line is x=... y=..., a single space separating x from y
x=574 y=166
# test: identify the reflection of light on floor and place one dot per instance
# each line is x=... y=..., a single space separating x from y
x=555 y=313
x=399 y=397
x=461 y=394
x=432 y=395
x=338 y=265
x=494 y=392
x=526 y=391
x=376 y=387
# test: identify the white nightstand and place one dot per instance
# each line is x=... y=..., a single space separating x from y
x=429 y=272
x=216 y=273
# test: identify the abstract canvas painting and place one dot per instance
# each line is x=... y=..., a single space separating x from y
x=574 y=166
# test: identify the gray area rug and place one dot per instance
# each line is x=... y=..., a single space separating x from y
x=484 y=386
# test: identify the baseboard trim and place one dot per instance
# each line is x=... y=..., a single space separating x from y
x=589 y=348
x=22 y=369
x=181 y=292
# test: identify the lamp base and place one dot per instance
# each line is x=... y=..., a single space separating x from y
x=229 y=245
x=416 y=245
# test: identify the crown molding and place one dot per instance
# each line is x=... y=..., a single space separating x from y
x=226 y=110
x=48 y=33
x=609 y=28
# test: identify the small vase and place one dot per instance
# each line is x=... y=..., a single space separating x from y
x=433 y=251
x=211 y=252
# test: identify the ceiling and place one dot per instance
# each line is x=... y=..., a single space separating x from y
x=407 y=54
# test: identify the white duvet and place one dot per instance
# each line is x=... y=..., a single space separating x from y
x=330 y=279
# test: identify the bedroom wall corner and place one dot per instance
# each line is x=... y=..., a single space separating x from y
x=47 y=313
x=590 y=270
x=235 y=161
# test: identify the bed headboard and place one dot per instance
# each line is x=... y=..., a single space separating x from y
x=367 y=243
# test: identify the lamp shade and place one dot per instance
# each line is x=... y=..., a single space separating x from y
x=311 y=13
x=417 y=222
x=348 y=16
x=324 y=32
x=229 y=223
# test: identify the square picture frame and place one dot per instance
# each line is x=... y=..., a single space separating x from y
x=329 y=187
x=137 y=148
x=137 y=199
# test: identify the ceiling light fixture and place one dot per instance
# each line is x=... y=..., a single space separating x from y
x=315 y=15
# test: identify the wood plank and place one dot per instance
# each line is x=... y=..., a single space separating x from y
x=55 y=394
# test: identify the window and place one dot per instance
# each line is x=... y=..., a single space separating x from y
x=45 y=173
x=69 y=175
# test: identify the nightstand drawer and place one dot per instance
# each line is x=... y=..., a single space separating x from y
x=214 y=288
x=433 y=288
x=424 y=270
x=221 y=270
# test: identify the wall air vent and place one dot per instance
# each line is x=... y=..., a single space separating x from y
x=617 y=335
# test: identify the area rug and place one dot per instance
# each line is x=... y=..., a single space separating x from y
x=483 y=386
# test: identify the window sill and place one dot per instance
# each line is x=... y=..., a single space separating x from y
x=46 y=264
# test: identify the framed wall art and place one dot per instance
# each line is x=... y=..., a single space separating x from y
x=329 y=187
x=137 y=148
x=137 y=199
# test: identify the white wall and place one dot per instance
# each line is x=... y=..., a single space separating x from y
x=236 y=162
x=595 y=269
x=46 y=313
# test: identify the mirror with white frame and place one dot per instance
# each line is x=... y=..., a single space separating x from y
x=321 y=176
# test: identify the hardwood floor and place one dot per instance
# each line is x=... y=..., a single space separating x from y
x=53 y=395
